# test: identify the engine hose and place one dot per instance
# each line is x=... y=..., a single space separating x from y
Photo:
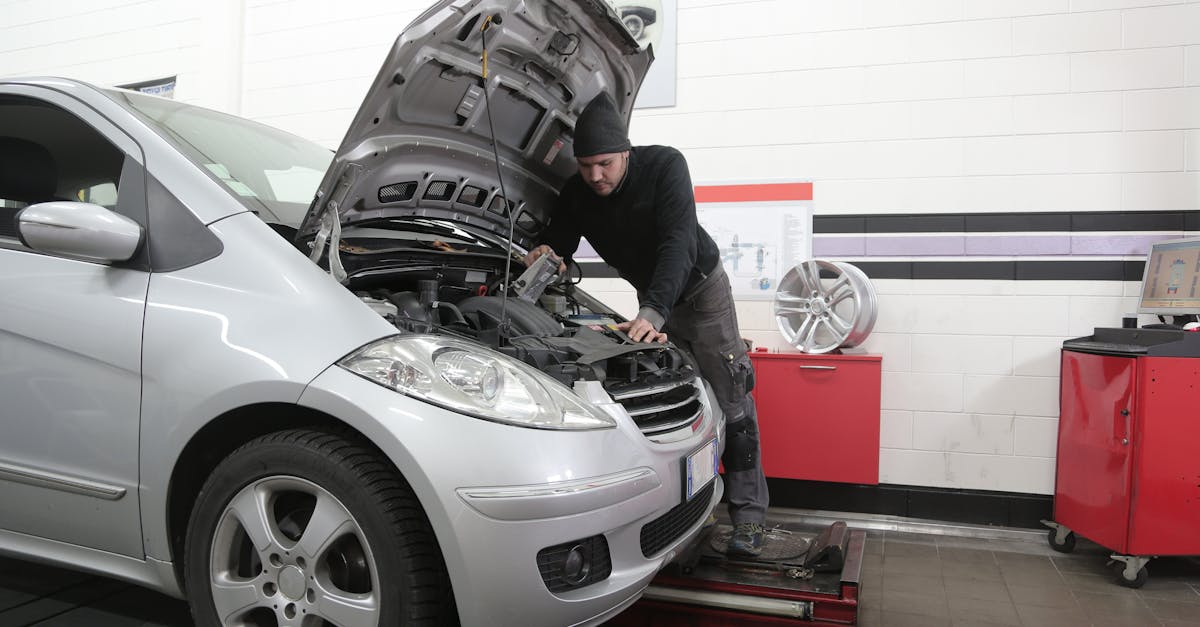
x=451 y=307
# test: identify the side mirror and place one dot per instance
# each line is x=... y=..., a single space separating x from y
x=79 y=230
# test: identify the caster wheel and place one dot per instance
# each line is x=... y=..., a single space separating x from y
x=1066 y=546
x=1137 y=582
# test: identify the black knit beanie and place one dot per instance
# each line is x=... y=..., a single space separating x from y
x=600 y=129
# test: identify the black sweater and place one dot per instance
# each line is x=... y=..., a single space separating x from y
x=646 y=228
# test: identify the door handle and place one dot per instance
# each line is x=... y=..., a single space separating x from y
x=818 y=367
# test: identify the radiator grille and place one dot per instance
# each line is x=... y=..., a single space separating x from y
x=660 y=407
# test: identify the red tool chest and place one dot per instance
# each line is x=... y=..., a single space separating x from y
x=1128 y=476
x=818 y=415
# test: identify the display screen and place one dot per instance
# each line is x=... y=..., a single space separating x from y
x=1170 y=283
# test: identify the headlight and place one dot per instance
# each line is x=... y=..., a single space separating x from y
x=473 y=380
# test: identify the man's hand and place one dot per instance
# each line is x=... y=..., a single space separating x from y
x=538 y=251
x=640 y=330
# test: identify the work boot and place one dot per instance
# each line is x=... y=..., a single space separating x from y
x=746 y=541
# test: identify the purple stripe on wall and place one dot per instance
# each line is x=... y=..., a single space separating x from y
x=839 y=247
x=1116 y=244
x=914 y=246
x=586 y=251
x=999 y=245
x=1002 y=245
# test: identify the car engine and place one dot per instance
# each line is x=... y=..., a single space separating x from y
x=565 y=333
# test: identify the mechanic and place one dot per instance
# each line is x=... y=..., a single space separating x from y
x=635 y=206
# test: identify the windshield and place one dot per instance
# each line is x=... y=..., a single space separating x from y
x=273 y=173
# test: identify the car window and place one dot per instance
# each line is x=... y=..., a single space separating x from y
x=273 y=173
x=47 y=153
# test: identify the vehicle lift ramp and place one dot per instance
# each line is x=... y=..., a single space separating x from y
x=806 y=576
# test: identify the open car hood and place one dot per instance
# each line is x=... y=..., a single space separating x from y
x=421 y=143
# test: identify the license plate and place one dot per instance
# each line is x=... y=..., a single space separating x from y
x=699 y=468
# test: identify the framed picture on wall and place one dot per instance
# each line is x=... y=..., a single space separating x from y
x=652 y=23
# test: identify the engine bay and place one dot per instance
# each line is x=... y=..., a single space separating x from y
x=431 y=286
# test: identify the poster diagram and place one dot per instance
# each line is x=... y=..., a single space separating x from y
x=762 y=231
x=759 y=241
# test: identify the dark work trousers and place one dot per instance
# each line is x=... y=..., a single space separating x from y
x=705 y=324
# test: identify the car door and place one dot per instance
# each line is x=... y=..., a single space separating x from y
x=70 y=334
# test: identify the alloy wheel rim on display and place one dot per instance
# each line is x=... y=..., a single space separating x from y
x=818 y=315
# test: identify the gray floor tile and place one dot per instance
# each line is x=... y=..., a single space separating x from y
x=968 y=570
x=872 y=590
x=1095 y=583
x=1078 y=564
x=1170 y=590
x=970 y=622
x=977 y=589
x=1031 y=577
x=906 y=565
x=870 y=617
x=901 y=619
x=965 y=556
x=1173 y=610
x=1115 y=607
x=12 y=598
x=23 y=582
x=1052 y=596
x=1022 y=560
x=909 y=549
x=1000 y=612
x=86 y=593
x=914 y=603
x=1032 y=616
x=873 y=546
x=135 y=605
x=911 y=538
x=1006 y=546
x=920 y=584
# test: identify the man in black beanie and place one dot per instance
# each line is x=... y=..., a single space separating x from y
x=635 y=206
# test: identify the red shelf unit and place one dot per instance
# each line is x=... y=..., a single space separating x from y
x=818 y=415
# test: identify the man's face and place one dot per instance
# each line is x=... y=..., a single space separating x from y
x=603 y=172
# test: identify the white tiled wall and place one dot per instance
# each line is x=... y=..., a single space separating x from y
x=891 y=106
x=969 y=395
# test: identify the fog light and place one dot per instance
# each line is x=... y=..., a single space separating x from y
x=575 y=564
x=576 y=567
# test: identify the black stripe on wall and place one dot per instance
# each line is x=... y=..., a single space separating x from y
x=1033 y=270
x=1010 y=222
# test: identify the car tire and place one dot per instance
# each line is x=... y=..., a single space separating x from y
x=302 y=525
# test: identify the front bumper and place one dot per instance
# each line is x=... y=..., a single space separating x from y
x=496 y=495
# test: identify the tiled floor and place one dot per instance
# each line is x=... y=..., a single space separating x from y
x=930 y=580
x=909 y=579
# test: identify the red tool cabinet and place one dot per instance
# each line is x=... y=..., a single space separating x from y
x=1128 y=472
x=818 y=415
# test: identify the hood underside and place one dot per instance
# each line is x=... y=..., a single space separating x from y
x=421 y=143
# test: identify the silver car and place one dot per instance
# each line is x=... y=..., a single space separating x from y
x=304 y=388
